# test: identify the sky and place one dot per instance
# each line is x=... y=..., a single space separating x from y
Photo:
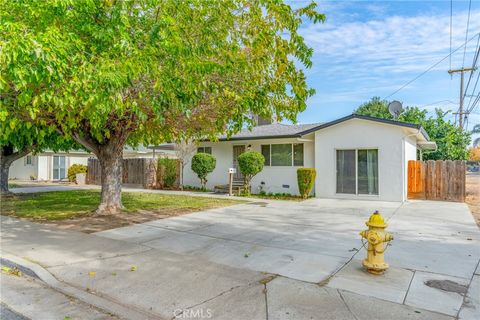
x=372 y=48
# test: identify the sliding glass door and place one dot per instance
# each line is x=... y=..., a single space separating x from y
x=346 y=171
x=367 y=171
x=59 y=168
x=357 y=171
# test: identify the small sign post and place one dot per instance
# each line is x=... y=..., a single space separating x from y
x=231 y=172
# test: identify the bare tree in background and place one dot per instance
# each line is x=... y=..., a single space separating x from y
x=184 y=151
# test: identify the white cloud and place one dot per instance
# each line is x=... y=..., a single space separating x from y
x=394 y=44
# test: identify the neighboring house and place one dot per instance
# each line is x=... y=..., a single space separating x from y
x=50 y=166
x=47 y=166
x=356 y=157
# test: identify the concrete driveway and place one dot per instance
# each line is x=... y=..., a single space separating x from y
x=433 y=258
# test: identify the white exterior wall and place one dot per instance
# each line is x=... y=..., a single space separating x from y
x=21 y=171
x=274 y=177
x=42 y=168
x=364 y=134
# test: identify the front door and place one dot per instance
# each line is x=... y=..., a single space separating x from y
x=59 y=167
x=237 y=150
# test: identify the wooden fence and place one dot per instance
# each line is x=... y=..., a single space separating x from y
x=135 y=172
x=436 y=180
x=139 y=171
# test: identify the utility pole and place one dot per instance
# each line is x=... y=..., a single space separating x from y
x=460 y=110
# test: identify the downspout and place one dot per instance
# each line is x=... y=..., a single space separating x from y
x=404 y=179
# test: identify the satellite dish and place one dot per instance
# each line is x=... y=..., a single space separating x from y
x=395 y=108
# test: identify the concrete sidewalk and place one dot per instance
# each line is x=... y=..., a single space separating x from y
x=433 y=257
x=163 y=285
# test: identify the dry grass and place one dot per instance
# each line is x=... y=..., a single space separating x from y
x=473 y=195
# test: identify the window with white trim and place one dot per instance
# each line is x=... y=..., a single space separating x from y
x=29 y=160
x=204 y=150
x=287 y=154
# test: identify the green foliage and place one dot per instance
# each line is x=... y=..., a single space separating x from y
x=306 y=180
x=194 y=188
x=250 y=163
x=375 y=108
x=451 y=141
x=202 y=165
x=167 y=172
x=110 y=73
x=150 y=71
x=74 y=169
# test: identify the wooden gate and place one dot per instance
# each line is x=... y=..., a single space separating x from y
x=436 y=180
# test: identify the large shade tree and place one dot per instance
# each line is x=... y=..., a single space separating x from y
x=148 y=71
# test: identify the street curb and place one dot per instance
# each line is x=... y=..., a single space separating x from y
x=109 y=306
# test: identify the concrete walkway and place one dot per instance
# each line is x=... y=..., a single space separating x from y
x=437 y=244
x=281 y=260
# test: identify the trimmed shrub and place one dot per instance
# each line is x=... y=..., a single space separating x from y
x=306 y=180
x=167 y=172
x=202 y=165
x=74 y=169
x=250 y=164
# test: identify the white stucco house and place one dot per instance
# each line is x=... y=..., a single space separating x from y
x=356 y=157
x=51 y=166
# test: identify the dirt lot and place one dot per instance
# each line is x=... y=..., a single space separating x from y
x=473 y=195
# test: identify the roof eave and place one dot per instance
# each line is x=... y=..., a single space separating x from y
x=363 y=117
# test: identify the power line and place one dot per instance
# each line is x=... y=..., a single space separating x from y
x=431 y=67
x=474 y=64
x=466 y=34
x=437 y=102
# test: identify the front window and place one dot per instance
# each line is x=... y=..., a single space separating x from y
x=29 y=161
x=266 y=153
x=281 y=154
x=287 y=154
x=298 y=154
x=204 y=150
x=357 y=171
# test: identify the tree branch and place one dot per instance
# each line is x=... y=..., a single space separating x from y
x=8 y=159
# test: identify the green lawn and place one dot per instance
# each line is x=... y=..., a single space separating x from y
x=58 y=205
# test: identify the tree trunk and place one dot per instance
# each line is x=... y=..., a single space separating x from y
x=111 y=163
x=182 y=167
x=4 y=177
x=7 y=157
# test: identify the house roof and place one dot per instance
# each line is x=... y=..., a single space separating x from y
x=278 y=130
x=270 y=131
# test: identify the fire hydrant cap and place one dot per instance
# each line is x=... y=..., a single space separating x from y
x=376 y=220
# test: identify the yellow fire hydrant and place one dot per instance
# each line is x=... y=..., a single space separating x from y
x=377 y=239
